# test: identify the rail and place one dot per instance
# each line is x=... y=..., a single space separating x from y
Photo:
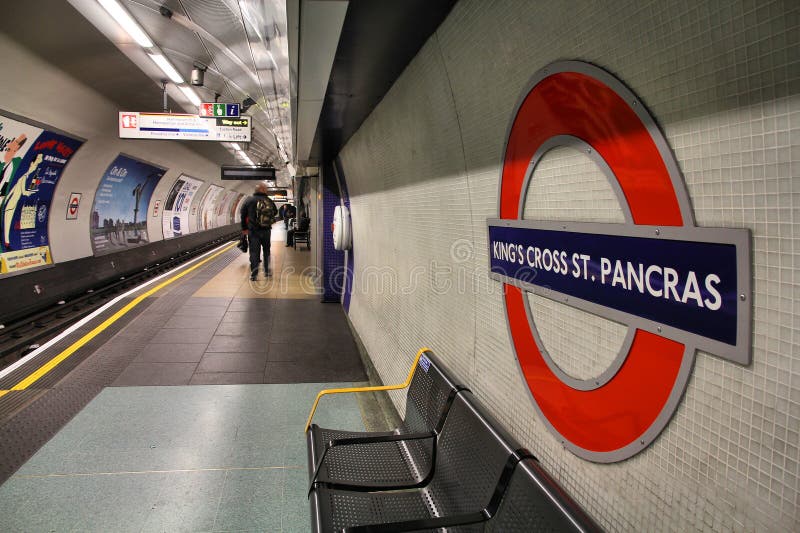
x=366 y=389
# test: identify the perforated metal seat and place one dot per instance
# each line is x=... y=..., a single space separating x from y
x=392 y=464
x=469 y=460
x=477 y=485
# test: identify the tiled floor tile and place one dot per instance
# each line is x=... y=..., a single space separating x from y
x=248 y=317
x=261 y=330
x=178 y=335
x=251 y=499
x=237 y=343
x=201 y=311
x=187 y=501
x=233 y=362
x=226 y=378
x=172 y=353
x=155 y=374
x=192 y=322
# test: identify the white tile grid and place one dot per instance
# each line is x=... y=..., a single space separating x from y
x=568 y=186
x=417 y=212
x=718 y=78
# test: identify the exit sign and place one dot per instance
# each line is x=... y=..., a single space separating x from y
x=216 y=110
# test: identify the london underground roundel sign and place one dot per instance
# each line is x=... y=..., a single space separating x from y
x=678 y=287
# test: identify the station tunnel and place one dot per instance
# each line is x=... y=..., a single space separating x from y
x=443 y=265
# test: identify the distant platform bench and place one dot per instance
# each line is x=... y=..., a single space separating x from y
x=448 y=465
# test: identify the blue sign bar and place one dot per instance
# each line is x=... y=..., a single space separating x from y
x=686 y=284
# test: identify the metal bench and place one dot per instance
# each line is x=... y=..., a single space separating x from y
x=473 y=477
x=405 y=455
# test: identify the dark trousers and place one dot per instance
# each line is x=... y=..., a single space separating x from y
x=258 y=239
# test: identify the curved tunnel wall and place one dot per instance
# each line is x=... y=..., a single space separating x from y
x=33 y=89
x=423 y=174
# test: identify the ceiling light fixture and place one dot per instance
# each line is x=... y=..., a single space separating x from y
x=190 y=94
x=125 y=20
x=166 y=67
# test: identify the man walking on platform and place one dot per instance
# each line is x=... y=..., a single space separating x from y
x=258 y=213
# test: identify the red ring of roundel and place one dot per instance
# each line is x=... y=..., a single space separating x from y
x=618 y=413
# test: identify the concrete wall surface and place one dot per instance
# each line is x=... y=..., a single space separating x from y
x=722 y=80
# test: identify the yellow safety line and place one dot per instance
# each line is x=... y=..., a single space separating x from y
x=367 y=389
x=52 y=363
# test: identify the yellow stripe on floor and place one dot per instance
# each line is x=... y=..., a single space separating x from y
x=74 y=347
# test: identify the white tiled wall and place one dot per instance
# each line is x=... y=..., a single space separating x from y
x=722 y=79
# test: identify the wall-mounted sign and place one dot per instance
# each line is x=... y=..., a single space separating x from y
x=247 y=172
x=174 y=126
x=73 y=204
x=32 y=160
x=216 y=109
x=677 y=287
x=681 y=284
x=156 y=207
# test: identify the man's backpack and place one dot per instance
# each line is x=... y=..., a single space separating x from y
x=265 y=212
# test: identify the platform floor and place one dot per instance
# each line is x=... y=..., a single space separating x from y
x=188 y=415
x=206 y=458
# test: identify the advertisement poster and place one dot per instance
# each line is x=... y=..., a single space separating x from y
x=207 y=218
x=32 y=161
x=175 y=220
x=224 y=208
x=119 y=213
x=237 y=200
x=237 y=211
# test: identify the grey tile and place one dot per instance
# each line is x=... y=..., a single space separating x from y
x=303 y=351
x=203 y=301
x=226 y=378
x=140 y=374
x=199 y=311
x=178 y=335
x=237 y=343
x=233 y=362
x=301 y=372
x=252 y=304
x=171 y=353
x=236 y=328
x=312 y=333
x=192 y=322
x=248 y=317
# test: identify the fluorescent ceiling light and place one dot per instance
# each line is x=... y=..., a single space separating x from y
x=247 y=158
x=125 y=20
x=167 y=68
x=236 y=146
x=190 y=94
x=291 y=169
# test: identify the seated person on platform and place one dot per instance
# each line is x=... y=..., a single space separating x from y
x=288 y=214
x=302 y=224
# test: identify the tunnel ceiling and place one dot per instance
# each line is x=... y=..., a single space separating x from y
x=244 y=45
